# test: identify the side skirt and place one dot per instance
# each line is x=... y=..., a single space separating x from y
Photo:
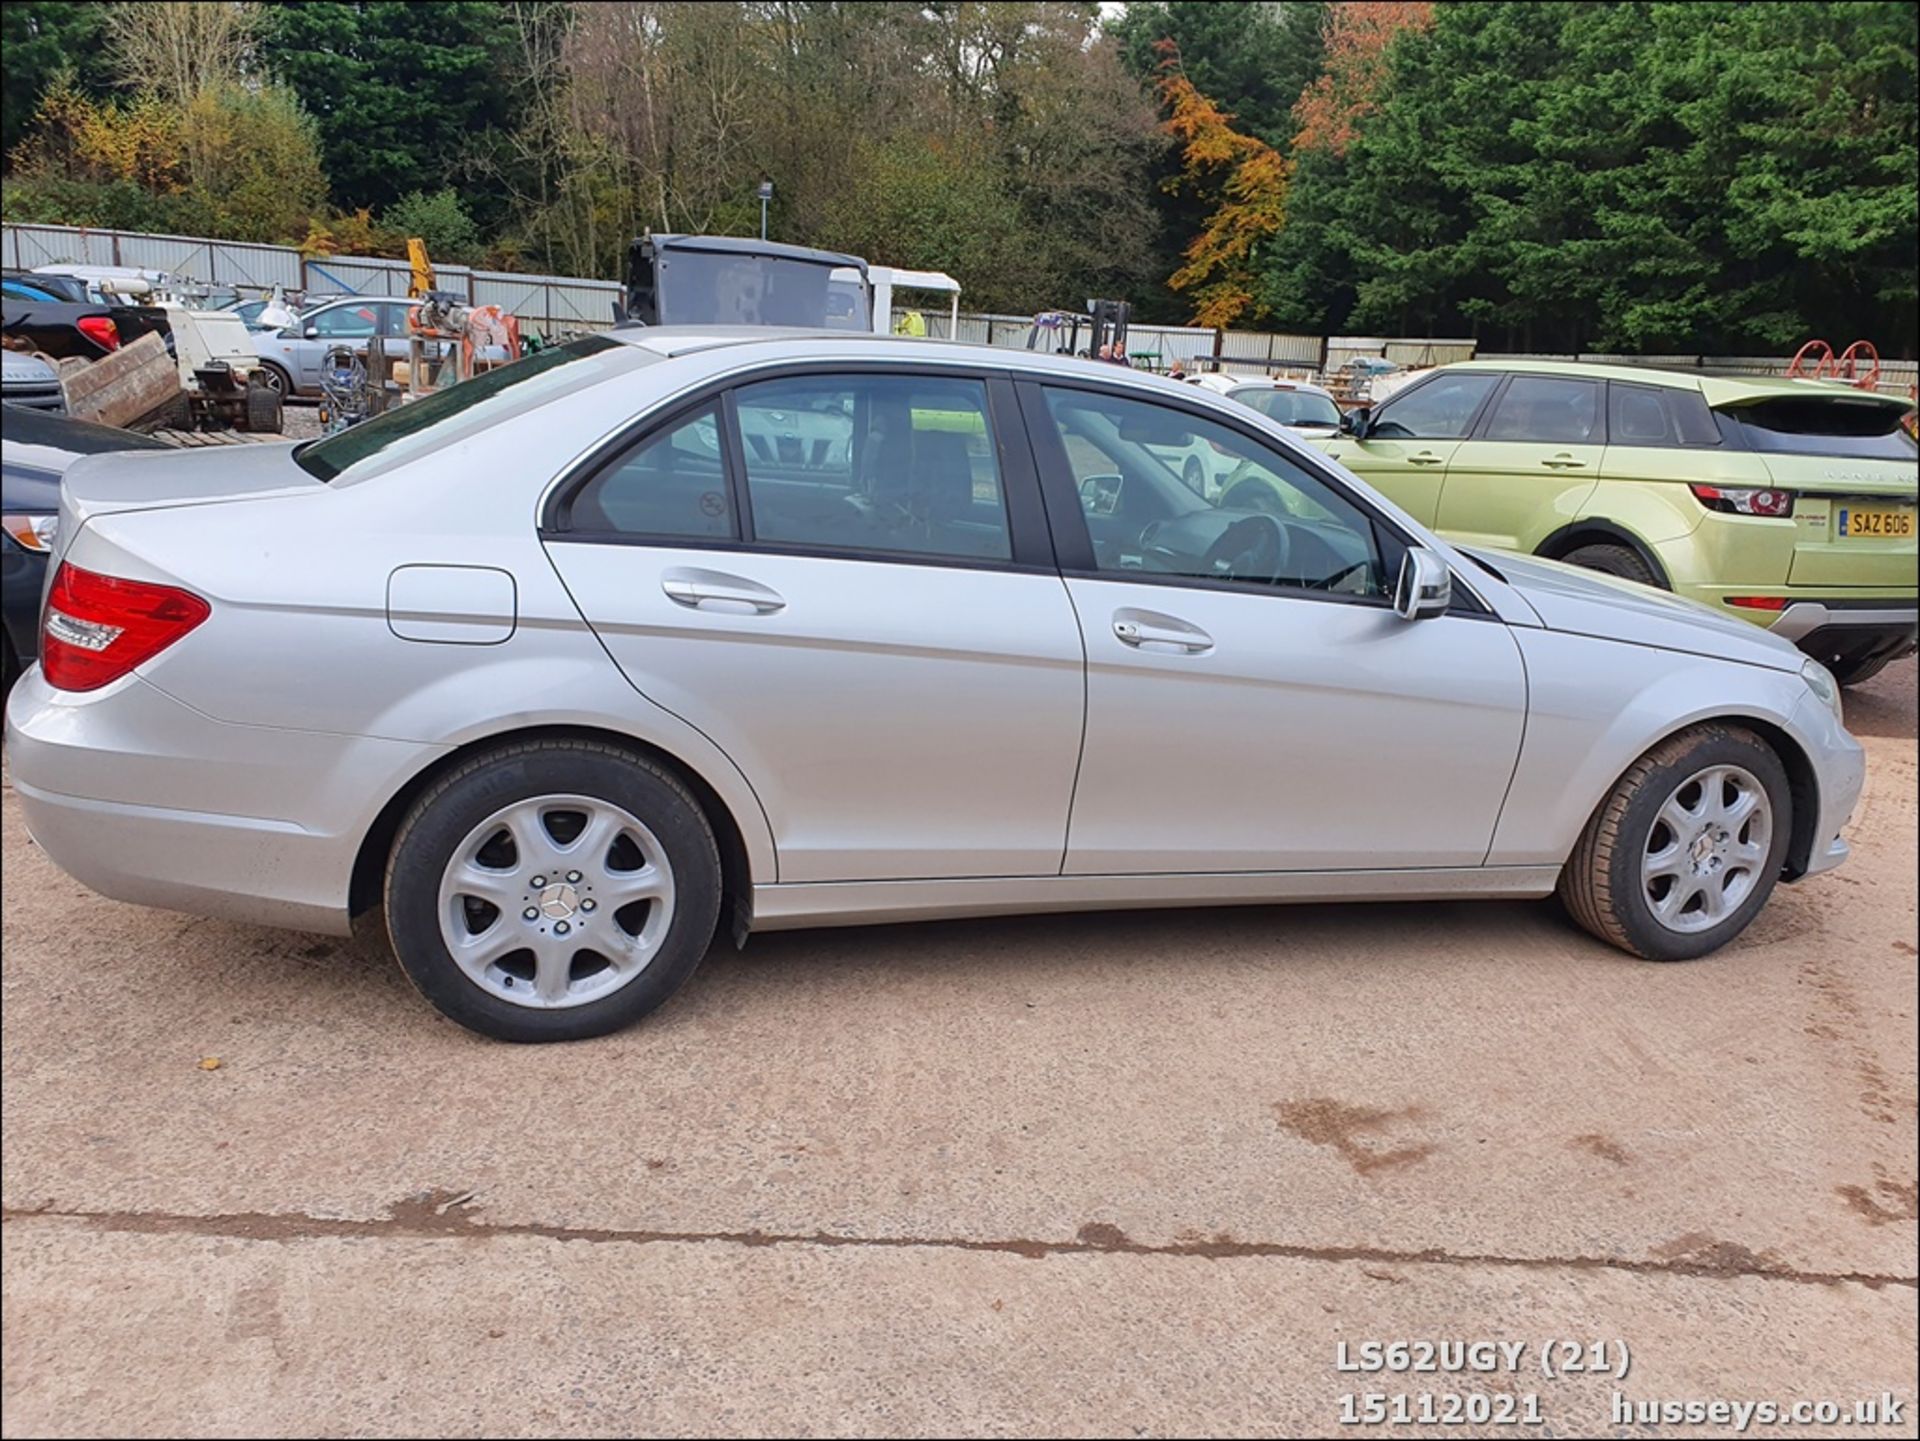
x=855 y=903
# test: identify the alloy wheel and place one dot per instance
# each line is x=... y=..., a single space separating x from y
x=556 y=901
x=1706 y=847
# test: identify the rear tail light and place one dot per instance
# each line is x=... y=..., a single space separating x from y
x=99 y=627
x=100 y=329
x=1731 y=501
x=1758 y=602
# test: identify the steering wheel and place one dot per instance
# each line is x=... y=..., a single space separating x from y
x=1254 y=547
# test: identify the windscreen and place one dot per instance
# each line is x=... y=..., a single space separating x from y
x=710 y=287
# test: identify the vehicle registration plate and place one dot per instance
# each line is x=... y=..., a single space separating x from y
x=1875 y=523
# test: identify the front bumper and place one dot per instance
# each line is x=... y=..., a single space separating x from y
x=1840 y=773
x=147 y=800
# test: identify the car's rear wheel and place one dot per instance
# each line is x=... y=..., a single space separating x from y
x=552 y=890
x=1620 y=560
x=1682 y=854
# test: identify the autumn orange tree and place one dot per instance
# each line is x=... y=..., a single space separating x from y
x=1357 y=35
x=1240 y=177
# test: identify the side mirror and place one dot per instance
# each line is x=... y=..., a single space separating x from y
x=1354 y=422
x=312 y=332
x=1425 y=588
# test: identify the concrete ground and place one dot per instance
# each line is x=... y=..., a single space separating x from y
x=1125 y=1174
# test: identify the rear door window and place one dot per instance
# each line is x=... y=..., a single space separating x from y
x=874 y=463
x=1547 y=408
x=672 y=484
x=1818 y=425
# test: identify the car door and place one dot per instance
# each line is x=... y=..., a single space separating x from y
x=1530 y=464
x=1249 y=710
x=843 y=579
x=351 y=323
x=1410 y=438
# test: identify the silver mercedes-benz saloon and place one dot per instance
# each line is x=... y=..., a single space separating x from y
x=669 y=634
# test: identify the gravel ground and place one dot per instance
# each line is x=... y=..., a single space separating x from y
x=1123 y=1174
x=300 y=419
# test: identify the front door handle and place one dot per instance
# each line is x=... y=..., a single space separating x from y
x=1563 y=461
x=699 y=589
x=1140 y=628
x=1426 y=457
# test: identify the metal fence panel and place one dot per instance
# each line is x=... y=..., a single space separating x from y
x=28 y=246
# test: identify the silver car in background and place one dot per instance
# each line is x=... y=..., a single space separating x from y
x=571 y=668
x=293 y=356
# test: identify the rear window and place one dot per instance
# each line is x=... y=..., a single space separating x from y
x=461 y=411
x=1290 y=407
x=1857 y=429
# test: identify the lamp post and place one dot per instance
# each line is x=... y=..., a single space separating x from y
x=765 y=192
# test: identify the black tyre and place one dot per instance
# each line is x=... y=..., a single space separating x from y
x=1860 y=671
x=263 y=408
x=1682 y=854
x=1620 y=560
x=552 y=890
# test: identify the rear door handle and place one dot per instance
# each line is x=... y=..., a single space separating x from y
x=1563 y=461
x=1426 y=457
x=699 y=589
x=1139 y=628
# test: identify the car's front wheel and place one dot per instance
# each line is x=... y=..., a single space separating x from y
x=276 y=379
x=552 y=890
x=1684 y=851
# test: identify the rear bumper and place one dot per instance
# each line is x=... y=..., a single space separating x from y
x=146 y=800
x=1806 y=617
x=1835 y=631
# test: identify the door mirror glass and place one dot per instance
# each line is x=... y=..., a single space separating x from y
x=1100 y=494
x=1426 y=585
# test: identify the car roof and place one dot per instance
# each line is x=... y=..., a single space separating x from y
x=772 y=342
x=1719 y=390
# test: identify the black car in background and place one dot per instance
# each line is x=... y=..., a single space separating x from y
x=54 y=315
x=35 y=450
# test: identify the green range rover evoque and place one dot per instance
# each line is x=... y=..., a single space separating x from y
x=1790 y=503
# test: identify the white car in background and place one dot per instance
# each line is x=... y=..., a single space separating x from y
x=1308 y=410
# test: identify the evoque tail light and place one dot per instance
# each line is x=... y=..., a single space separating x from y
x=99 y=627
x=1731 y=500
